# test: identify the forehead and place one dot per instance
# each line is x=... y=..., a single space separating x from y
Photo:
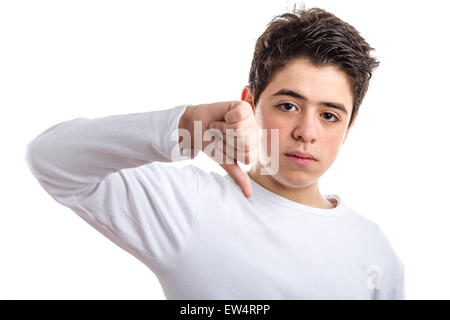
x=324 y=83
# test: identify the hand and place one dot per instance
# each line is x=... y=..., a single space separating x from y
x=240 y=141
x=241 y=145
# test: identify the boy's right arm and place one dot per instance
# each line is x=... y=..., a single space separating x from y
x=106 y=170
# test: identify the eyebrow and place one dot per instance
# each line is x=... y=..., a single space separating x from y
x=294 y=94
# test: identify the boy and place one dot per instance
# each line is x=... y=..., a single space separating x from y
x=195 y=230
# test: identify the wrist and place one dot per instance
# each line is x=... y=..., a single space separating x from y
x=187 y=124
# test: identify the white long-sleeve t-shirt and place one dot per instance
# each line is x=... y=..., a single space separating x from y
x=195 y=230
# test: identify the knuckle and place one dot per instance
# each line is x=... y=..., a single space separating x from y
x=228 y=117
x=241 y=113
x=245 y=105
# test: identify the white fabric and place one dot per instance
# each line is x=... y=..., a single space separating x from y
x=195 y=230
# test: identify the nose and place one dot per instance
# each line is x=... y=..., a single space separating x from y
x=305 y=128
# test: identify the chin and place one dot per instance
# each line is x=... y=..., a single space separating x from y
x=291 y=179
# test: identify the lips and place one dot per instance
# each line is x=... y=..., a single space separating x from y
x=301 y=155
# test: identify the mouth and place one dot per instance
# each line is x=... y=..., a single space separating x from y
x=301 y=155
x=304 y=160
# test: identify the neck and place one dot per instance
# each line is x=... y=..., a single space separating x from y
x=307 y=195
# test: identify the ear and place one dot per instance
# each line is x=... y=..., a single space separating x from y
x=351 y=125
x=246 y=95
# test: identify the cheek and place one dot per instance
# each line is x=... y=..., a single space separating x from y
x=278 y=125
x=266 y=120
x=330 y=146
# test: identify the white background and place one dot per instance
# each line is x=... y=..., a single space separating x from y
x=65 y=59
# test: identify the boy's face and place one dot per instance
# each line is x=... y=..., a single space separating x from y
x=305 y=125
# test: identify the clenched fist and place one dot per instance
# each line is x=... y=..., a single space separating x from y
x=237 y=136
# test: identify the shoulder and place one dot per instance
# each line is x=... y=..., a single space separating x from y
x=371 y=234
x=365 y=225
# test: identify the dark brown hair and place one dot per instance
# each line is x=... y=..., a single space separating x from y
x=318 y=35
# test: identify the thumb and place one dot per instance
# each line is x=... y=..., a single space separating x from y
x=239 y=177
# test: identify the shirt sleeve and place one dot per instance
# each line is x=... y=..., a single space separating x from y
x=109 y=171
x=392 y=277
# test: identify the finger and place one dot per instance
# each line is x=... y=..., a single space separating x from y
x=238 y=112
x=222 y=126
x=239 y=177
x=217 y=110
x=222 y=135
x=244 y=145
x=229 y=156
x=238 y=128
x=229 y=131
x=224 y=156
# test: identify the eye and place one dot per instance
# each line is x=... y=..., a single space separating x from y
x=290 y=105
x=329 y=113
x=285 y=104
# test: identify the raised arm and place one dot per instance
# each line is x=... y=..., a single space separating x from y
x=109 y=172
x=77 y=154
